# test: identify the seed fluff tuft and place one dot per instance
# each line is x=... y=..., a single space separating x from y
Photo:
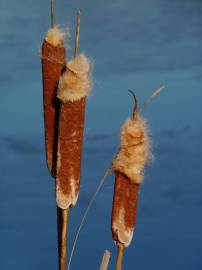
x=56 y=37
x=134 y=150
x=76 y=82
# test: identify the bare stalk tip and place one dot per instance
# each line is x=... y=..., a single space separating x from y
x=52 y=14
x=105 y=260
x=78 y=25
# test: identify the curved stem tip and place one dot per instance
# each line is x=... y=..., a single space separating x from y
x=135 y=110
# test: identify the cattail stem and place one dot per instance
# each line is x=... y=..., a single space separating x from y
x=105 y=260
x=68 y=109
x=119 y=260
x=63 y=248
x=59 y=230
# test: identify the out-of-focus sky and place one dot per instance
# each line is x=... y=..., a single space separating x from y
x=133 y=44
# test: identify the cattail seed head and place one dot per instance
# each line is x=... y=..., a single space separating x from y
x=56 y=37
x=76 y=82
x=134 y=149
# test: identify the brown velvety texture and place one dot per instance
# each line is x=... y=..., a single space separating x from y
x=70 y=141
x=124 y=209
x=53 y=64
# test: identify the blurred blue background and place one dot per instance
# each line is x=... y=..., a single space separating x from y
x=134 y=44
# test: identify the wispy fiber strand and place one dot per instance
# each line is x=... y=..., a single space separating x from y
x=86 y=214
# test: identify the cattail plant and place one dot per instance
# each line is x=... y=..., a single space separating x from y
x=74 y=87
x=124 y=168
x=65 y=88
x=128 y=167
x=53 y=58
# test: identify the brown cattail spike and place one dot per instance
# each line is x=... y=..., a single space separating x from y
x=124 y=209
x=53 y=58
x=74 y=87
x=69 y=144
x=128 y=167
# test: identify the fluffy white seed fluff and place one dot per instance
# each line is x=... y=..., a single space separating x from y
x=76 y=82
x=134 y=149
x=56 y=37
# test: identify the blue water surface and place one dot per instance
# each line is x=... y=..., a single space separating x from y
x=134 y=44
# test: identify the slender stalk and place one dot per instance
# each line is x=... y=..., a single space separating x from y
x=52 y=14
x=105 y=260
x=86 y=213
x=78 y=26
x=119 y=261
x=59 y=229
x=63 y=248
